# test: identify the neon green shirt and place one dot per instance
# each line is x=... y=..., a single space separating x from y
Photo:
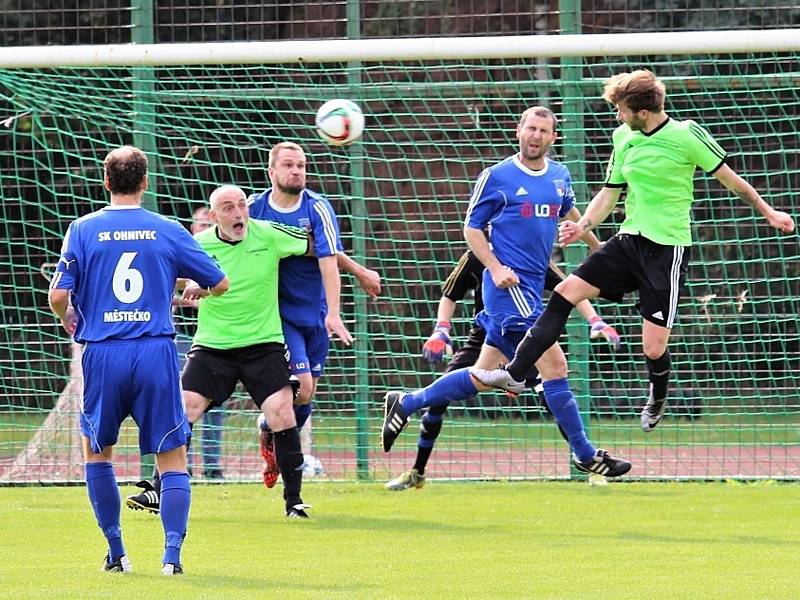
x=658 y=170
x=247 y=314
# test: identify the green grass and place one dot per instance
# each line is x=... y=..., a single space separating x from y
x=465 y=540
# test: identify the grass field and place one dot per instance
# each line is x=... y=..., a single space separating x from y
x=448 y=540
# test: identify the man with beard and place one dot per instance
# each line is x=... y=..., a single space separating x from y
x=518 y=201
x=654 y=159
x=309 y=287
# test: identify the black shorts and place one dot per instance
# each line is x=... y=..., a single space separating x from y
x=263 y=369
x=632 y=262
x=468 y=352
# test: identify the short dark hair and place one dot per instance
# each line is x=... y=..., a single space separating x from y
x=540 y=111
x=126 y=170
x=639 y=90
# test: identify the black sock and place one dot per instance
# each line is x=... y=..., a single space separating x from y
x=429 y=428
x=658 y=371
x=290 y=461
x=544 y=333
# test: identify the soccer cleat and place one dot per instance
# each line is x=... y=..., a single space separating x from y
x=652 y=413
x=147 y=500
x=499 y=379
x=170 y=569
x=121 y=565
x=298 y=511
x=266 y=445
x=406 y=480
x=394 y=419
x=602 y=463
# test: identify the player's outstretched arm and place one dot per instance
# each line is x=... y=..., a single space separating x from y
x=599 y=208
x=369 y=280
x=778 y=219
x=332 y=283
x=439 y=344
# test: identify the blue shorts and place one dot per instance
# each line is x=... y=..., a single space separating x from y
x=137 y=378
x=308 y=348
x=503 y=335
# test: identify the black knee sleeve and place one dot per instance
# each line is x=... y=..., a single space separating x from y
x=541 y=336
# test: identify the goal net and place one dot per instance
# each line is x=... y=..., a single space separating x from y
x=433 y=123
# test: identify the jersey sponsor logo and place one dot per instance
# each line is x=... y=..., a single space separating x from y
x=542 y=211
x=126 y=235
x=521 y=191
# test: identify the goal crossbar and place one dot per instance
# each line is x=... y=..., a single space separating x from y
x=376 y=50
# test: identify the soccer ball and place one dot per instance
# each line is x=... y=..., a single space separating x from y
x=340 y=122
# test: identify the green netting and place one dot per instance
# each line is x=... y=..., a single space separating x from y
x=401 y=196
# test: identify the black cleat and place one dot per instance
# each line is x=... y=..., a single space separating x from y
x=298 y=511
x=121 y=565
x=602 y=463
x=394 y=419
x=147 y=500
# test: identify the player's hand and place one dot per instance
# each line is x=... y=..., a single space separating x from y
x=600 y=328
x=370 y=282
x=193 y=292
x=335 y=326
x=70 y=321
x=781 y=221
x=568 y=232
x=438 y=345
x=504 y=277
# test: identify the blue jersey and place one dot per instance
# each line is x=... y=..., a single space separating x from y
x=120 y=264
x=301 y=295
x=519 y=209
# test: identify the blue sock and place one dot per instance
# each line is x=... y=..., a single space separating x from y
x=562 y=403
x=301 y=414
x=176 y=496
x=101 y=485
x=455 y=385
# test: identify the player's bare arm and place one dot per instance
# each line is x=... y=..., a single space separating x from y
x=332 y=283
x=369 y=280
x=589 y=237
x=599 y=208
x=502 y=276
x=59 y=304
x=193 y=292
x=778 y=219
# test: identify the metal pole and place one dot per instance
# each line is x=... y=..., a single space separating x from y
x=143 y=88
x=144 y=127
x=574 y=156
x=358 y=217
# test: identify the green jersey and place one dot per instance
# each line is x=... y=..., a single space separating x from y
x=658 y=170
x=247 y=314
